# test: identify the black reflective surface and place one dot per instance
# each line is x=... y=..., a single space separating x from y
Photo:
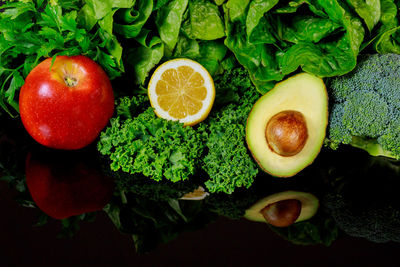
x=357 y=223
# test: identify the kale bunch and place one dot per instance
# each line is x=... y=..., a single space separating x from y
x=227 y=161
x=142 y=145
x=365 y=108
x=151 y=146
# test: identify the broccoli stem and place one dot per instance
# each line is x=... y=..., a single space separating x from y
x=371 y=146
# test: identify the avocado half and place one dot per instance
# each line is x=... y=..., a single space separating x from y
x=295 y=111
x=309 y=205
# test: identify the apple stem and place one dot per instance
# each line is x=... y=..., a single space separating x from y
x=70 y=81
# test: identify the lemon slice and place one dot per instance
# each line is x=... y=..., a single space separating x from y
x=181 y=89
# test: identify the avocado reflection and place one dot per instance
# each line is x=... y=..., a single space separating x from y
x=66 y=183
x=312 y=226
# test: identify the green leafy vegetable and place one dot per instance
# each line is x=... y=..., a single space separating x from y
x=145 y=55
x=139 y=143
x=129 y=21
x=272 y=40
x=204 y=21
x=228 y=162
x=33 y=30
x=369 y=10
x=388 y=38
x=210 y=54
x=169 y=20
x=154 y=147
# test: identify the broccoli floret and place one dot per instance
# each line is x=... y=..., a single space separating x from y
x=390 y=139
x=365 y=114
x=365 y=107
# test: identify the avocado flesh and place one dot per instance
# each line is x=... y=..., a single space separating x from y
x=309 y=205
x=304 y=93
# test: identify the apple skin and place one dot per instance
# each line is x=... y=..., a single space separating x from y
x=65 y=184
x=65 y=106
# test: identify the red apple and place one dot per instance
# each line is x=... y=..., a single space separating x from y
x=67 y=104
x=65 y=184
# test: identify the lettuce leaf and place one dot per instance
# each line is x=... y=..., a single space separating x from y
x=388 y=37
x=130 y=21
x=271 y=39
x=204 y=21
x=169 y=20
x=34 y=30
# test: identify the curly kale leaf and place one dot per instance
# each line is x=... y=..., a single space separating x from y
x=152 y=146
x=129 y=107
x=228 y=162
x=231 y=86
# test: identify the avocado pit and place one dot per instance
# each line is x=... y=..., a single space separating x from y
x=282 y=213
x=286 y=133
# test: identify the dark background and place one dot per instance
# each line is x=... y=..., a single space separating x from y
x=222 y=243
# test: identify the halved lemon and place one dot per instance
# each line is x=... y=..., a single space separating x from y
x=181 y=89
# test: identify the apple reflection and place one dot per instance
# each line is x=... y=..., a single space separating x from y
x=66 y=183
